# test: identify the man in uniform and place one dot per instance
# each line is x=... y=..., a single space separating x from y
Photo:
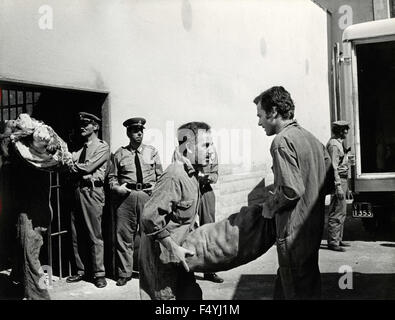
x=208 y=175
x=168 y=216
x=338 y=205
x=300 y=165
x=90 y=163
x=133 y=173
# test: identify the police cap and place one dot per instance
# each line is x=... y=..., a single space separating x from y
x=85 y=116
x=135 y=122
x=341 y=123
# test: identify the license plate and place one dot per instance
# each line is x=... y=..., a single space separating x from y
x=362 y=210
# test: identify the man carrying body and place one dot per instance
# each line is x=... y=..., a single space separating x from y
x=133 y=173
x=168 y=216
x=90 y=163
x=338 y=205
x=300 y=165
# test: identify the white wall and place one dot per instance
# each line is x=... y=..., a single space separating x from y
x=173 y=61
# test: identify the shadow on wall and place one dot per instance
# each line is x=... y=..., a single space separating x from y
x=365 y=286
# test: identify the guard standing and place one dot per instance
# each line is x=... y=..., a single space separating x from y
x=90 y=163
x=208 y=175
x=134 y=171
x=338 y=205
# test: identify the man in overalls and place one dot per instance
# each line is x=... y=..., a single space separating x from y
x=300 y=166
x=168 y=216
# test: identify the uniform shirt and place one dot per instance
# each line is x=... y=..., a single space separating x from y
x=95 y=165
x=339 y=159
x=173 y=204
x=123 y=168
x=300 y=163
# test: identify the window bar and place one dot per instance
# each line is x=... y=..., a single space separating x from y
x=58 y=217
x=1 y=105
x=49 y=236
x=24 y=101
x=9 y=105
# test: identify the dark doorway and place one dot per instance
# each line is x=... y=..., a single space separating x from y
x=58 y=108
x=376 y=93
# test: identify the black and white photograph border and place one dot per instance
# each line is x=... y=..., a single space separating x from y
x=81 y=80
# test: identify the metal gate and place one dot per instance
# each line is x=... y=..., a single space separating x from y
x=14 y=100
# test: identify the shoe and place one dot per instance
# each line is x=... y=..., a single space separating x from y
x=75 y=278
x=344 y=244
x=100 y=282
x=336 y=248
x=213 y=277
x=122 y=281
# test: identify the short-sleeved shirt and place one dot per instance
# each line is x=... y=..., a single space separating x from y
x=339 y=159
x=123 y=167
x=95 y=164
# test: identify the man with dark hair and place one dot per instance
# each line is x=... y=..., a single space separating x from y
x=168 y=216
x=300 y=165
x=338 y=205
x=133 y=173
x=90 y=163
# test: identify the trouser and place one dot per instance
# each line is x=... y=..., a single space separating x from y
x=207 y=205
x=86 y=231
x=337 y=216
x=164 y=281
x=128 y=214
x=27 y=267
x=298 y=275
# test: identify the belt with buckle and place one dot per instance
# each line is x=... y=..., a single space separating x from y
x=90 y=183
x=138 y=186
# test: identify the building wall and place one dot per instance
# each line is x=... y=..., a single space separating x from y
x=177 y=60
x=345 y=13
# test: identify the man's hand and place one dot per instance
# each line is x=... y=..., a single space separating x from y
x=178 y=252
x=339 y=192
x=205 y=178
x=122 y=190
x=181 y=254
x=266 y=212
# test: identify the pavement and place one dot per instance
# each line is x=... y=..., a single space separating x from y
x=370 y=265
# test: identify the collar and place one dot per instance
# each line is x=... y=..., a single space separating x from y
x=139 y=149
x=91 y=141
x=178 y=157
x=289 y=124
x=340 y=140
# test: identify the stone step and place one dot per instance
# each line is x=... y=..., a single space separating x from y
x=232 y=198
x=236 y=186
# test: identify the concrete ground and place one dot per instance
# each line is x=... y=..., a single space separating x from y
x=371 y=259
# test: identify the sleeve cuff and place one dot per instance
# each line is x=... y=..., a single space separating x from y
x=159 y=235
